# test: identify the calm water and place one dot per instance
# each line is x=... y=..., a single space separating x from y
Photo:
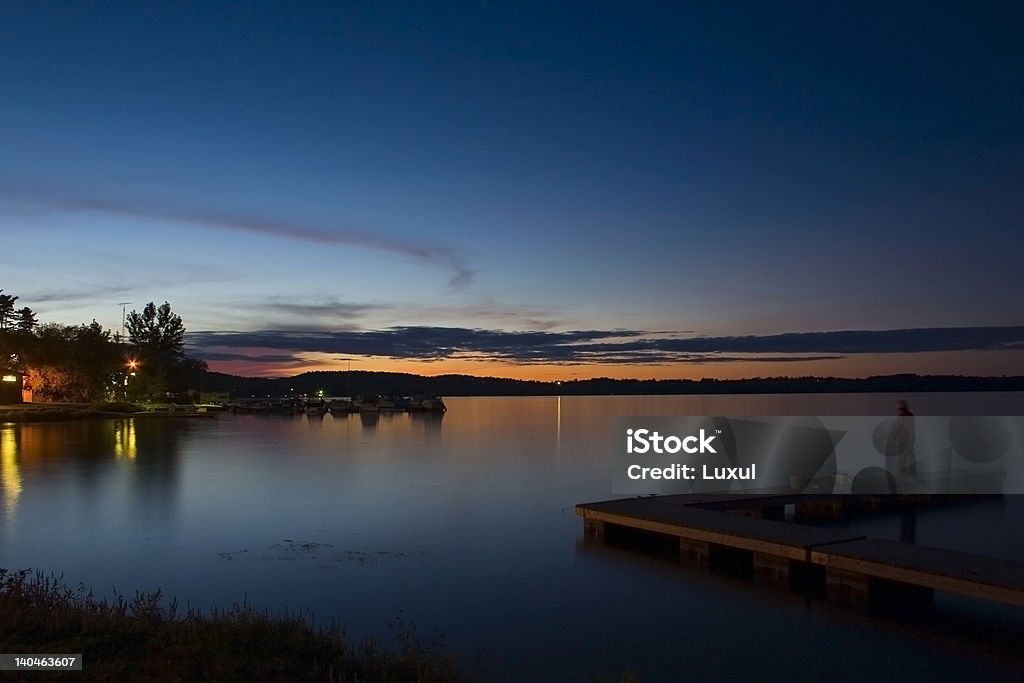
x=463 y=525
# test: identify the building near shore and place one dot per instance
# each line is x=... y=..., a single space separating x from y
x=11 y=386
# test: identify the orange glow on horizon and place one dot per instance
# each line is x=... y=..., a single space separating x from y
x=981 y=363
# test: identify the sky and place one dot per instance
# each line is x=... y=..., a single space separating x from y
x=525 y=189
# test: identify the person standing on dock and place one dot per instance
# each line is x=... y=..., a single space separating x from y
x=901 y=440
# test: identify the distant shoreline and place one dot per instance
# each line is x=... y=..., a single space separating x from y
x=400 y=384
x=475 y=387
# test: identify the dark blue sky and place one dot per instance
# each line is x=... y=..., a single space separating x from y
x=702 y=170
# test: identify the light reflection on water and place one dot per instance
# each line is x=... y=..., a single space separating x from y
x=10 y=473
x=461 y=523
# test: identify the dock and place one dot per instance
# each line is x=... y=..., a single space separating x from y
x=745 y=535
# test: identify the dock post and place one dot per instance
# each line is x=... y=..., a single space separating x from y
x=594 y=529
x=693 y=552
x=771 y=570
x=845 y=588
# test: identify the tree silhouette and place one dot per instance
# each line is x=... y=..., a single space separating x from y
x=158 y=336
x=6 y=309
x=71 y=362
x=25 y=319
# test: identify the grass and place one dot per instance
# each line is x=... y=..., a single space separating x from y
x=143 y=638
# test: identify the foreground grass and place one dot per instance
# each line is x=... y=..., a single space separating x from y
x=143 y=639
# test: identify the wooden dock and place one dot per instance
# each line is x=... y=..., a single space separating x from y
x=746 y=535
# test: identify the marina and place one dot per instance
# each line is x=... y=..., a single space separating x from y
x=368 y=403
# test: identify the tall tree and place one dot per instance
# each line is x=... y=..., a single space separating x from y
x=158 y=335
x=25 y=319
x=6 y=309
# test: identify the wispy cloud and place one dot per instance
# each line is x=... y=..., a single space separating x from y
x=491 y=312
x=41 y=296
x=916 y=340
x=275 y=358
x=328 y=314
x=611 y=346
x=460 y=273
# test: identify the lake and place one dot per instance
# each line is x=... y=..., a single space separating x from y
x=462 y=525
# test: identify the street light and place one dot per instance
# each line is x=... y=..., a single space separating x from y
x=132 y=366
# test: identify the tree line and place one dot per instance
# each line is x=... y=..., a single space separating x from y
x=87 y=363
x=342 y=383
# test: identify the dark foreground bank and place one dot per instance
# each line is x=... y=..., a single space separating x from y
x=143 y=639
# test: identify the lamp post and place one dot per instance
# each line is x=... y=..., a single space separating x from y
x=132 y=366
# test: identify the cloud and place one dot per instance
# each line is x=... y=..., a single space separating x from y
x=254 y=358
x=330 y=309
x=280 y=314
x=493 y=312
x=917 y=340
x=40 y=296
x=461 y=274
x=418 y=342
x=626 y=347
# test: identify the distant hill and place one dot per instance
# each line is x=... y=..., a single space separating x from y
x=360 y=382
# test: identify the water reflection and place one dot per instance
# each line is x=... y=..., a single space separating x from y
x=315 y=421
x=125 y=445
x=157 y=465
x=558 y=427
x=10 y=474
x=429 y=422
x=97 y=459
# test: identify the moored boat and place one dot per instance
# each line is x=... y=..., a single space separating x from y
x=369 y=403
x=434 y=404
